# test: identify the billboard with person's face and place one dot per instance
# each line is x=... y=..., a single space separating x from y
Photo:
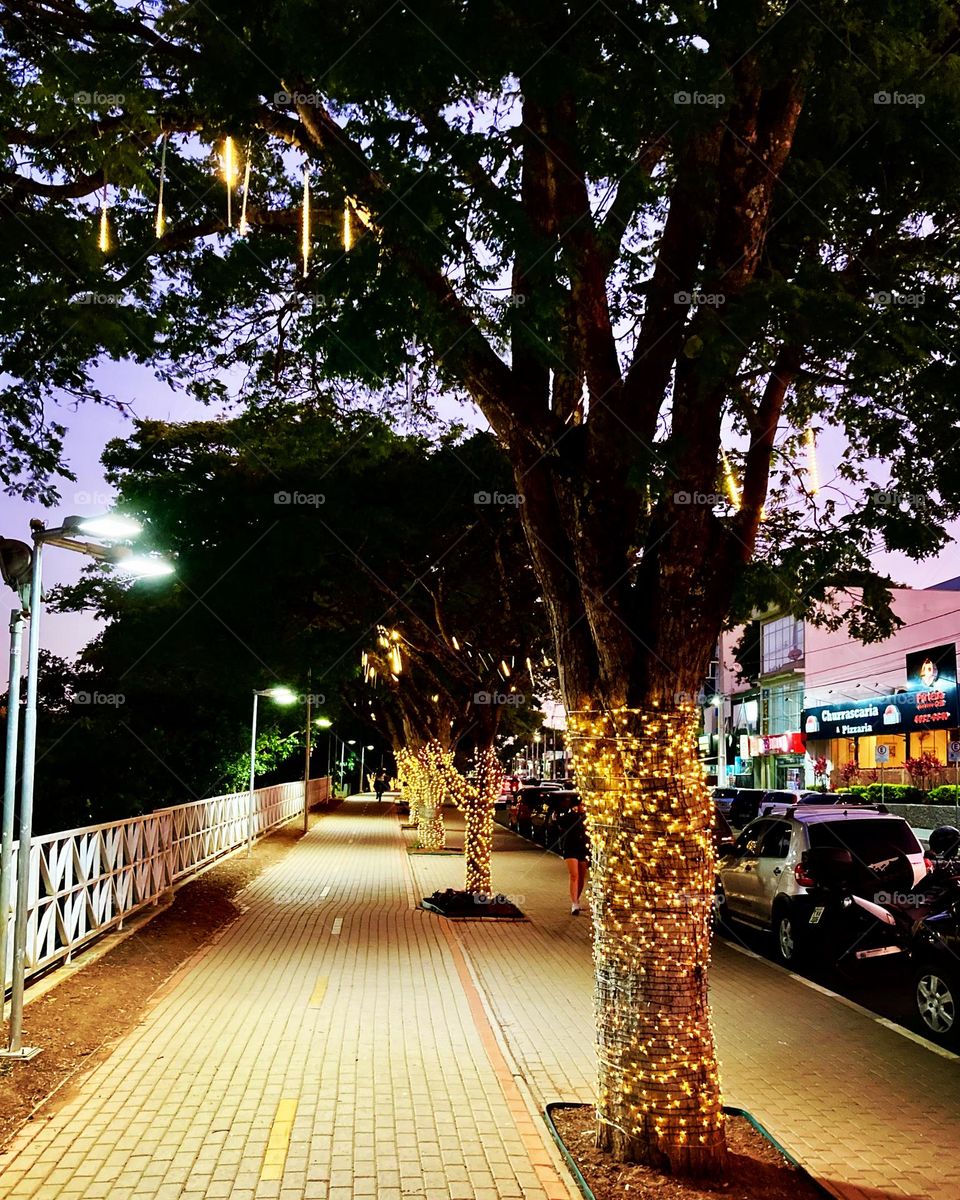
x=933 y=670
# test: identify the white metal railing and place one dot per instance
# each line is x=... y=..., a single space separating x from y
x=85 y=882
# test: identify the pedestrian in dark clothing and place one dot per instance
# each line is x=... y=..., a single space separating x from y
x=380 y=785
x=574 y=845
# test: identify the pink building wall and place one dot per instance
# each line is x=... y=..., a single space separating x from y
x=840 y=668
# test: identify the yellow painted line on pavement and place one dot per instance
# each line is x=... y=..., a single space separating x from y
x=318 y=992
x=275 y=1156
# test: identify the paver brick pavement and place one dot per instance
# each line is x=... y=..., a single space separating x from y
x=872 y=1114
x=351 y=1046
x=329 y=1015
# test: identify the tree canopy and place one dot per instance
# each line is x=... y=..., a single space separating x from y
x=296 y=538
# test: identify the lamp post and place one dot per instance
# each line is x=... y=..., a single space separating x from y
x=67 y=537
x=282 y=695
x=363 y=751
x=325 y=723
x=9 y=788
x=721 y=703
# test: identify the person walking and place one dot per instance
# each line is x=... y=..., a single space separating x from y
x=380 y=785
x=575 y=848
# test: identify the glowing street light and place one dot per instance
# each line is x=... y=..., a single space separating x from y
x=280 y=695
x=67 y=536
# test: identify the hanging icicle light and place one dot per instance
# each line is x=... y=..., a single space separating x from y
x=347 y=227
x=812 y=472
x=456 y=644
x=104 y=240
x=305 y=242
x=244 y=228
x=160 y=226
x=730 y=481
x=229 y=161
x=396 y=663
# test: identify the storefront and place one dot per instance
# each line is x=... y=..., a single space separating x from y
x=884 y=732
x=778 y=760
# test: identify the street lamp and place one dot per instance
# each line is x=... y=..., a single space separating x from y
x=343 y=751
x=325 y=723
x=721 y=703
x=281 y=695
x=363 y=751
x=66 y=536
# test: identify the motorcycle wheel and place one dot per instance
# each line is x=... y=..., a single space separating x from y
x=936 y=993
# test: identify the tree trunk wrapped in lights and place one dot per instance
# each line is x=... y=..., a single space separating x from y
x=430 y=829
x=651 y=895
x=408 y=774
x=476 y=801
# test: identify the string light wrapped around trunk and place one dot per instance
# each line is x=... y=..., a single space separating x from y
x=476 y=800
x=649 y=817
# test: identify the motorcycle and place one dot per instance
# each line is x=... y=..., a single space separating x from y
x=920 y=922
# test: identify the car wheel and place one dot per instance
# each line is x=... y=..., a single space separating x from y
x=936 y=992
x=786 y=938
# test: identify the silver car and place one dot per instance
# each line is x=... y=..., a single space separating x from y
x=762 y=881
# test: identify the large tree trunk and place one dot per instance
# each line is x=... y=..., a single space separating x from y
x=649 y=821
x=652 y=891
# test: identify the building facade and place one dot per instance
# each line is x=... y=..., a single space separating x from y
x=788 y=693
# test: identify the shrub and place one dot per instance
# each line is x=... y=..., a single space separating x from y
x=857 y=789
x=894 y=793
x=945 y=794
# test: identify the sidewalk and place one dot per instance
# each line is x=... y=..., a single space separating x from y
x=335 y=1043
x=328 y=1045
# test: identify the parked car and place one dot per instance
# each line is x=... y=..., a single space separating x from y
x=511 y=785
x=723 y=797
x=777 y=802
x=744 y=806
x=723 y=839
x=523 y=804
x=763 y=882
x=543 y=816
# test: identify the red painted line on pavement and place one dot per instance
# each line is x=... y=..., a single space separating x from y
x=522 y=1119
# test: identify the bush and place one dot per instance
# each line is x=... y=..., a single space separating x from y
x=895 y=793
x=859 y=790
x=945 y=794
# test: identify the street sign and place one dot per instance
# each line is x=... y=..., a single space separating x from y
x=953 y=752
x=882 y=752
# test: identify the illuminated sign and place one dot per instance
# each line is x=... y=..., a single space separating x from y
x=905 y=712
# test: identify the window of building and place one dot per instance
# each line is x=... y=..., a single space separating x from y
x=782 y=643
x=784 y=705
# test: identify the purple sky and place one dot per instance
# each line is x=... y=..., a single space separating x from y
x=90 y=428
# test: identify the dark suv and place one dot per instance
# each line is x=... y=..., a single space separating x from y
x=744 y=806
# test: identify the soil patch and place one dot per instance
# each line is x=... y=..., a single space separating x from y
x=76 y=1021
x=758 y=1171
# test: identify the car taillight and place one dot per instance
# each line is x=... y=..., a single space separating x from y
x=803 y=877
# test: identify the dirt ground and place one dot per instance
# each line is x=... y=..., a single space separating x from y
x=76 y=1022
x=757 y=1170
